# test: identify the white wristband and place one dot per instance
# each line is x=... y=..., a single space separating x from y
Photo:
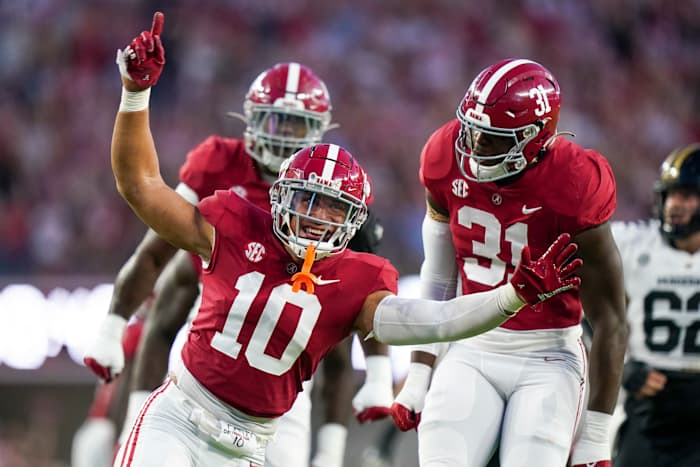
x=594 y=440
x=134 y=101
x=508 y=300
x=597 y=426
x=378 y=369
x=419 y=375
x=112 y=326
x=415 y=387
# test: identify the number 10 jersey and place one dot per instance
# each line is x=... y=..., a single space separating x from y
x=254 y=341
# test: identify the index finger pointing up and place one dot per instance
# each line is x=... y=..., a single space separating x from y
x=157 y=26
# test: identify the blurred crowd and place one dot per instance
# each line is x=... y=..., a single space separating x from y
x=396 y=70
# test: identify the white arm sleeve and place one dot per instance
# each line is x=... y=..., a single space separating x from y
x=438 y=273
x=401 y=321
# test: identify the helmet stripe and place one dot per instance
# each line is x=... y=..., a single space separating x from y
x=293 y=71
x=494 y=79
x=683 y=155
x=331 y=159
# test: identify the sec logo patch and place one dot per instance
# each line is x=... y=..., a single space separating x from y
x=255 y=252
x=460 y=188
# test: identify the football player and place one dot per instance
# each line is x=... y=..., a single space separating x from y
x=662 y=275
x=286 y=108
x=266 y=319
x=499 y=178
x=276 y=103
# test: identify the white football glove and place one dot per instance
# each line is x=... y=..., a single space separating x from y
x=373 y=400
x=105 y=356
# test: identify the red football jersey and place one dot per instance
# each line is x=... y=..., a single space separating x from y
x=223 y=164
x=570 y=190
x=254 y=340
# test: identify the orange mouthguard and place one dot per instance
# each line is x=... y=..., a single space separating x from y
x=305 y=277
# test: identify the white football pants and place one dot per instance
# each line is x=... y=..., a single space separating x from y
x=493 y=390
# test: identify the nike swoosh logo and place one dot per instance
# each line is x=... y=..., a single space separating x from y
x=320 y=281
x=527 y=211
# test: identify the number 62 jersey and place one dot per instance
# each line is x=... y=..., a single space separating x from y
x=663 y=289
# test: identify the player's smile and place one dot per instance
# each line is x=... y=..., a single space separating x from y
x=314 y=231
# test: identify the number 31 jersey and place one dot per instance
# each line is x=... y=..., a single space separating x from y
x=570 y=190
x=254 y=341
x=663 y=288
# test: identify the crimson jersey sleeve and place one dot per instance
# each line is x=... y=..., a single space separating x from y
x=218 y=209
x=388 y=278
x=436 y=162
x=587 y=192
x=205 y=161
x=226 y=211
x=387 y=275
x=196 y=264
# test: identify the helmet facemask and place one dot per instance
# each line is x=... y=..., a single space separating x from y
x=489 y=168
x=274 y=132
x=296 y=207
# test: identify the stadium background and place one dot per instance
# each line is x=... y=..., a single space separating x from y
x=396 y=70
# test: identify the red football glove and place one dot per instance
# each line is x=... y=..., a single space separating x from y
x=143 y=59
x=550 y=274
x=404 y=418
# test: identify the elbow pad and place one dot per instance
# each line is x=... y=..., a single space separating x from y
x=401 y=321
